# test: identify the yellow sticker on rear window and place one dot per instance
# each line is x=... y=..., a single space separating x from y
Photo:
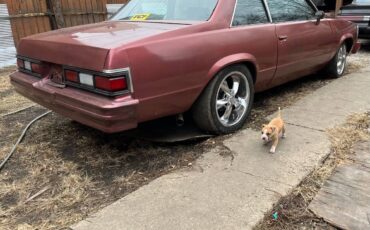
x=140 y=17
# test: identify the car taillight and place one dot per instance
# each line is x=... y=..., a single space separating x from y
x=20 y=63
x=30 y=66
x=107 y=83
x=71 y=76
x=36 y=68
x=112 y=85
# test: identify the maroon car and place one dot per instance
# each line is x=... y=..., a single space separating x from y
x=157 y=58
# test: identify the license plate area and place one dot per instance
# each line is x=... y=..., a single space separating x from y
x=56 y=76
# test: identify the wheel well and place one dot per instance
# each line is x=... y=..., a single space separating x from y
x=252 y=68
x=349 y=44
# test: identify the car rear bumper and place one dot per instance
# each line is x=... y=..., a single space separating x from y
x=109 y=115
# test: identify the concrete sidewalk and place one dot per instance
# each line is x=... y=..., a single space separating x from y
x=226 y=193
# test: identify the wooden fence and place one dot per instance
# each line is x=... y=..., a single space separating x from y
x=36 y=16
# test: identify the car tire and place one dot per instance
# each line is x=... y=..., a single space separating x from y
x=337 y=65
x=226 y=102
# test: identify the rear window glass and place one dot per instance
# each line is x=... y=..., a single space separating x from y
x=182 y=10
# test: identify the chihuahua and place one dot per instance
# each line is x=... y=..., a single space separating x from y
x=273 y=131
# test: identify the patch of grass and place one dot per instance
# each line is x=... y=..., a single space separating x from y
x=293 y=209
x=9 y=99
x=4 y=78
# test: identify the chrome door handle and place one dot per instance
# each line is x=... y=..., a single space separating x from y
x=283 y=37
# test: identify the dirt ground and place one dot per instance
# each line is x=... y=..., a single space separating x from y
x=74 y=170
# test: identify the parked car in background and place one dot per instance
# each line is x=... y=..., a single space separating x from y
x=157 y=58
x=359 y=13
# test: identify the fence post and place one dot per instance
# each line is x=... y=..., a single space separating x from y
x=338 y=5
x=56 y=14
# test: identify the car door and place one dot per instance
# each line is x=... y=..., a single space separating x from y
x=253 y=33
x=303 y=44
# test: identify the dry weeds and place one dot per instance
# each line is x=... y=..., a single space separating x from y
x=9 y=99
x=293 y=209
x=361 y=59
x=83 y=169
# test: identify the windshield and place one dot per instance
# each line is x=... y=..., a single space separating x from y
x=182 y=10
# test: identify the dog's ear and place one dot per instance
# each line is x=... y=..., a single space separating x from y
x=273 y=128
x=264 y=126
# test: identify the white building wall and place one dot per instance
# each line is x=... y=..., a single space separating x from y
x=7 y=49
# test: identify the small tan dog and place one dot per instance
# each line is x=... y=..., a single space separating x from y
x=273 y=131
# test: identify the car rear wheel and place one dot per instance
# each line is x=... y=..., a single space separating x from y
x=226 y=102
x=337 y=65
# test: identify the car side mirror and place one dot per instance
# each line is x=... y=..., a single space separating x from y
x=319 y=15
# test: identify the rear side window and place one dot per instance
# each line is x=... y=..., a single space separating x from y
x=292 y=10
x=249 y=12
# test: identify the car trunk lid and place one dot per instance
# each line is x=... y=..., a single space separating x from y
x=88 y=46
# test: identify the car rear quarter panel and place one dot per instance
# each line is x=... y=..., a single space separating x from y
x=168 y=75
x=344 y=30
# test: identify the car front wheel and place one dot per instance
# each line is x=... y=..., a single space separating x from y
x=337 y=65
x=226 y=102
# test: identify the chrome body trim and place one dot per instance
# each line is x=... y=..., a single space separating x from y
x=122 y=70
x=267 y=10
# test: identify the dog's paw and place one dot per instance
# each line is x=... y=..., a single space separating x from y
x=272 y=150
x=283 y=136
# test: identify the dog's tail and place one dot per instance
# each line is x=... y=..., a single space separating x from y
x=279 y=113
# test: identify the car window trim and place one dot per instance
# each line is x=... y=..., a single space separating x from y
x=267 y=11
x=313 y=5
x=310 y=3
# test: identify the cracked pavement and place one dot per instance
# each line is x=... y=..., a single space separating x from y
x=224 y=193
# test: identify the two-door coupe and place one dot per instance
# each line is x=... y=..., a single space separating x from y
x=157 y=58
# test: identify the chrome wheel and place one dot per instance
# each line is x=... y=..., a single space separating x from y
x=233 y=97
x=341 y=59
